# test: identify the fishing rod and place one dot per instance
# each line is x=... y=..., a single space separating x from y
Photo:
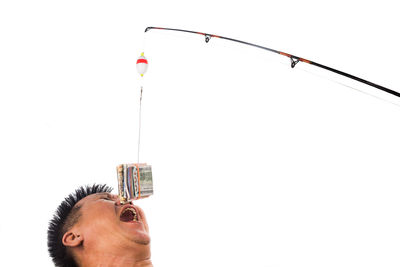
x=294 y=59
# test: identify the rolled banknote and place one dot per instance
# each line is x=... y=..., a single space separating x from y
x=135 y=181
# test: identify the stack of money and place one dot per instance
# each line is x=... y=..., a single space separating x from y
x=134 y=181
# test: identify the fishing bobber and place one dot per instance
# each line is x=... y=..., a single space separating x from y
x=141 y=65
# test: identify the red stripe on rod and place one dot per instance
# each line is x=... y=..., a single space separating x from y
x=305 y=60
x=141 y=60
x=285 y=54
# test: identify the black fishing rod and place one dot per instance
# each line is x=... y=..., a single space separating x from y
x=294 y=59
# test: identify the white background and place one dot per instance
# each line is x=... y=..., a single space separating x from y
x=254 y=163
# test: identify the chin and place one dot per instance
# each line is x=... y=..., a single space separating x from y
x=142 y=241
x=140 y=237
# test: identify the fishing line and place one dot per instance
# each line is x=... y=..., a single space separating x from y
x=348 y=86
x=141 y=67
x=141 y=95
x=144 y=42
x=140 y=122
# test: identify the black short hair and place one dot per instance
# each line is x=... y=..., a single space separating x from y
x=64 y=218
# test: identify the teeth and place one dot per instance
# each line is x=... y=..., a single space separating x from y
x=135 y=217
x=131 y=209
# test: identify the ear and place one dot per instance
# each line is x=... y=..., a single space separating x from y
x=72 y=238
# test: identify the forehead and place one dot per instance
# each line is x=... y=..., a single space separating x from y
x=93 y=197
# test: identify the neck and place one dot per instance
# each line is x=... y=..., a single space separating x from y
x=118 y=262
x=113 y=260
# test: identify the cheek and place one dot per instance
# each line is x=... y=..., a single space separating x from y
x=143 y=216
x=98 y=223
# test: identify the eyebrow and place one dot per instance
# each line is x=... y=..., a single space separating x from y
x=104 y=194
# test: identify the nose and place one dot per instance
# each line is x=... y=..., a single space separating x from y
x=119 y=202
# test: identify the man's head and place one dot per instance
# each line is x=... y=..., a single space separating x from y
x=91 y=224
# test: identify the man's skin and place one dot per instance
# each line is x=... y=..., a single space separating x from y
x=100 y=238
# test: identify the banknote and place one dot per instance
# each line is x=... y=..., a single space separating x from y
x=135 y=181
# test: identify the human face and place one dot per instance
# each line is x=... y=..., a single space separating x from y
x=107 y=225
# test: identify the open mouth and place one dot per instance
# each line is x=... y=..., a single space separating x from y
x=129 y=215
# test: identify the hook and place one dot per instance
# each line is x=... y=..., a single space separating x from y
x=208 y=37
